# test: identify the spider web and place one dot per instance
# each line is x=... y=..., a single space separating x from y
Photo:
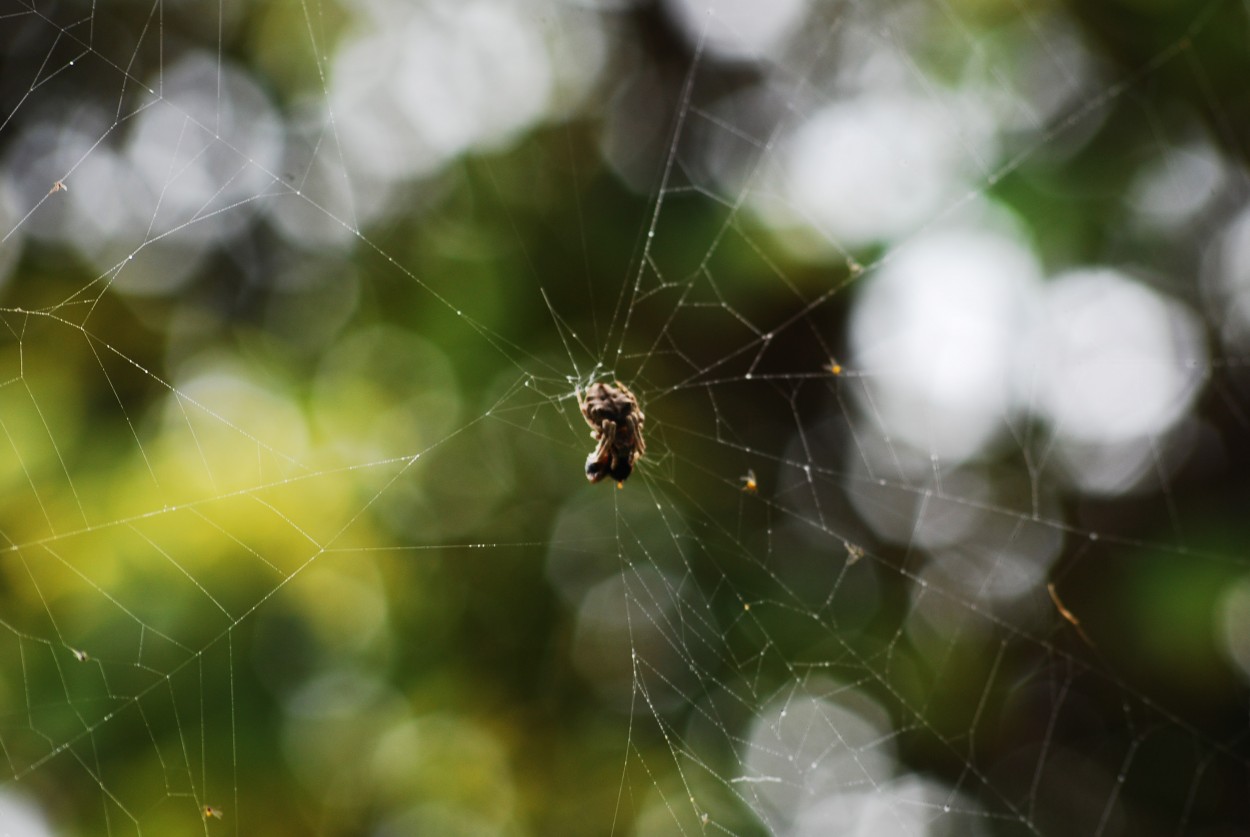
x=934 y=312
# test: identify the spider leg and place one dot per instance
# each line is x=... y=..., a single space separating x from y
x=600 y=462
x=607 y=440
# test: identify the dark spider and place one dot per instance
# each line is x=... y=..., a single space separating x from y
x=616 y=419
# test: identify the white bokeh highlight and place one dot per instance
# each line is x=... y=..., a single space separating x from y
x=425 y=84
x=911 y=806
x=959 y=349
x=143 y=201
x=1232 y=627
x=740 y=30
x=934 y=332
x=207 y=149
x=876 y=166
x=623 y=632
x=1226 y=280
x=20 y=817
x=11 y=237
x=957 y=336
x=1051 y=73
x=808 y=747
x=1178 y=186
x=1113 y=359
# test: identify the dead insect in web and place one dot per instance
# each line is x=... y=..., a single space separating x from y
x=59 y=186
x=213 y=813
x=80 y=656
x=749 y=485
x=615 y=420
x=853 y=552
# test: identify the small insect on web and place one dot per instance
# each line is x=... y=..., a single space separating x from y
x=616 y=420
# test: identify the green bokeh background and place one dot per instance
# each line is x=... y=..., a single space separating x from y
x=287 y=616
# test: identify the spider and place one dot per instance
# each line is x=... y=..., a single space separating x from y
x=616 y=419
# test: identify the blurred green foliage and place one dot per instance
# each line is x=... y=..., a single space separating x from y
x=306 y=581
